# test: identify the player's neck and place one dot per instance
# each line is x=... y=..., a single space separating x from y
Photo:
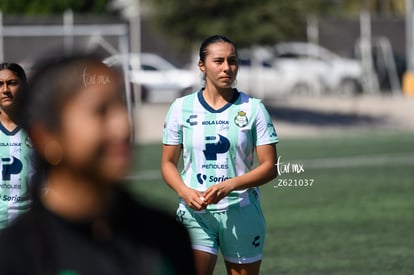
x=6 y=121
x=217 y=98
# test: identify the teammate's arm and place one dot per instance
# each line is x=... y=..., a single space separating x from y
x=169 y=161
x=263 y=173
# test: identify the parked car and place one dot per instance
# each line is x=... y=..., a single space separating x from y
x=160 y=81
x=296 y=68
x=263 y=75
x=335 y=73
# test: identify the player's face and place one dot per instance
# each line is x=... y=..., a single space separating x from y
x=9 y=85
x=95 y=132
x=220 y=67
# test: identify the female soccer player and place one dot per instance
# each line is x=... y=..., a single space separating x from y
x=218 y=130
x=15 y=148
x=82 y=221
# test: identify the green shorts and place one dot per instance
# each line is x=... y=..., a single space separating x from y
x=239 y=232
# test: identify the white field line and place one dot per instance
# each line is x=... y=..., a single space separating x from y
x=401 y=159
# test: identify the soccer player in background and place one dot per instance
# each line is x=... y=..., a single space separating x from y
x=82 y=220
x=15 y=147
x=218 y=130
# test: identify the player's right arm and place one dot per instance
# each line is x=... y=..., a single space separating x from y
x=169 y=161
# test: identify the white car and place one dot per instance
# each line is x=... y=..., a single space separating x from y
x=296 y=68
x=159 y=80
x=335 y=74
x=264 y=76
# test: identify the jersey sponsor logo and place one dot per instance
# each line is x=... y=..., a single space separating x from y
x=215 y=145
x=215 y=166
x=10 y=186
x=10 y=144
x=14 y=198
x=202 y=178
x=256 y=242
x=241 y=119
x=215 y=122
x=190 y=120
x=223 y=128
x=10 y=166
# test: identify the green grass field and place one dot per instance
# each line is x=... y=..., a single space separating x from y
x=356 y=218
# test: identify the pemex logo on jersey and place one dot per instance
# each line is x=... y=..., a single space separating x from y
x=10 y=166
x=241 y=119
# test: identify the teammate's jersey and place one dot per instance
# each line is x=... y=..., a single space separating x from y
x=219 y=144
x=16 y=168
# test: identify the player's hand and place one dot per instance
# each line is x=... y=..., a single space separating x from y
x=217 y=192
x=194 y=199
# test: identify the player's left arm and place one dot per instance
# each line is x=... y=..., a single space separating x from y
x=263 y=173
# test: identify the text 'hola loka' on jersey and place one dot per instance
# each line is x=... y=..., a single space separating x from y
x=219 y=144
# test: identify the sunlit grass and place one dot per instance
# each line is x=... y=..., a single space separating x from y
x=354 y=219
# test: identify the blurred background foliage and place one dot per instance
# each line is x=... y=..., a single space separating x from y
x=263 y=22
x=248 y=22
x=47 y=7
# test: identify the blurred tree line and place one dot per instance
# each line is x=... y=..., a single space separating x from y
x=247 y=22
x=250 y=22
x=45 y=7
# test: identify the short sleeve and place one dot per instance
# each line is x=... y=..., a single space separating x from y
x=265 y=132
x=172 y=133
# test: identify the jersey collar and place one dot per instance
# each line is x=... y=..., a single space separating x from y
x=204 y=103
x=7 y=132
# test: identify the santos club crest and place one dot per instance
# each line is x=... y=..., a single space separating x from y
x=241 y=119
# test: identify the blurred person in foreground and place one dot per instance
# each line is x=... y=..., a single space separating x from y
x=82 y=221
x=219 y=131
x=15 y=147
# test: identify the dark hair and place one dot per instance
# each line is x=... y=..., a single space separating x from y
x=211 y=40
x=52 y=82
x=18 y=71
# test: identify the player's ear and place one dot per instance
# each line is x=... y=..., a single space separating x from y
x=201 y=66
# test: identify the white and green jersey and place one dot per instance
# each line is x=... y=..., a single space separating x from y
x=218 y=144
x=15 y=162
